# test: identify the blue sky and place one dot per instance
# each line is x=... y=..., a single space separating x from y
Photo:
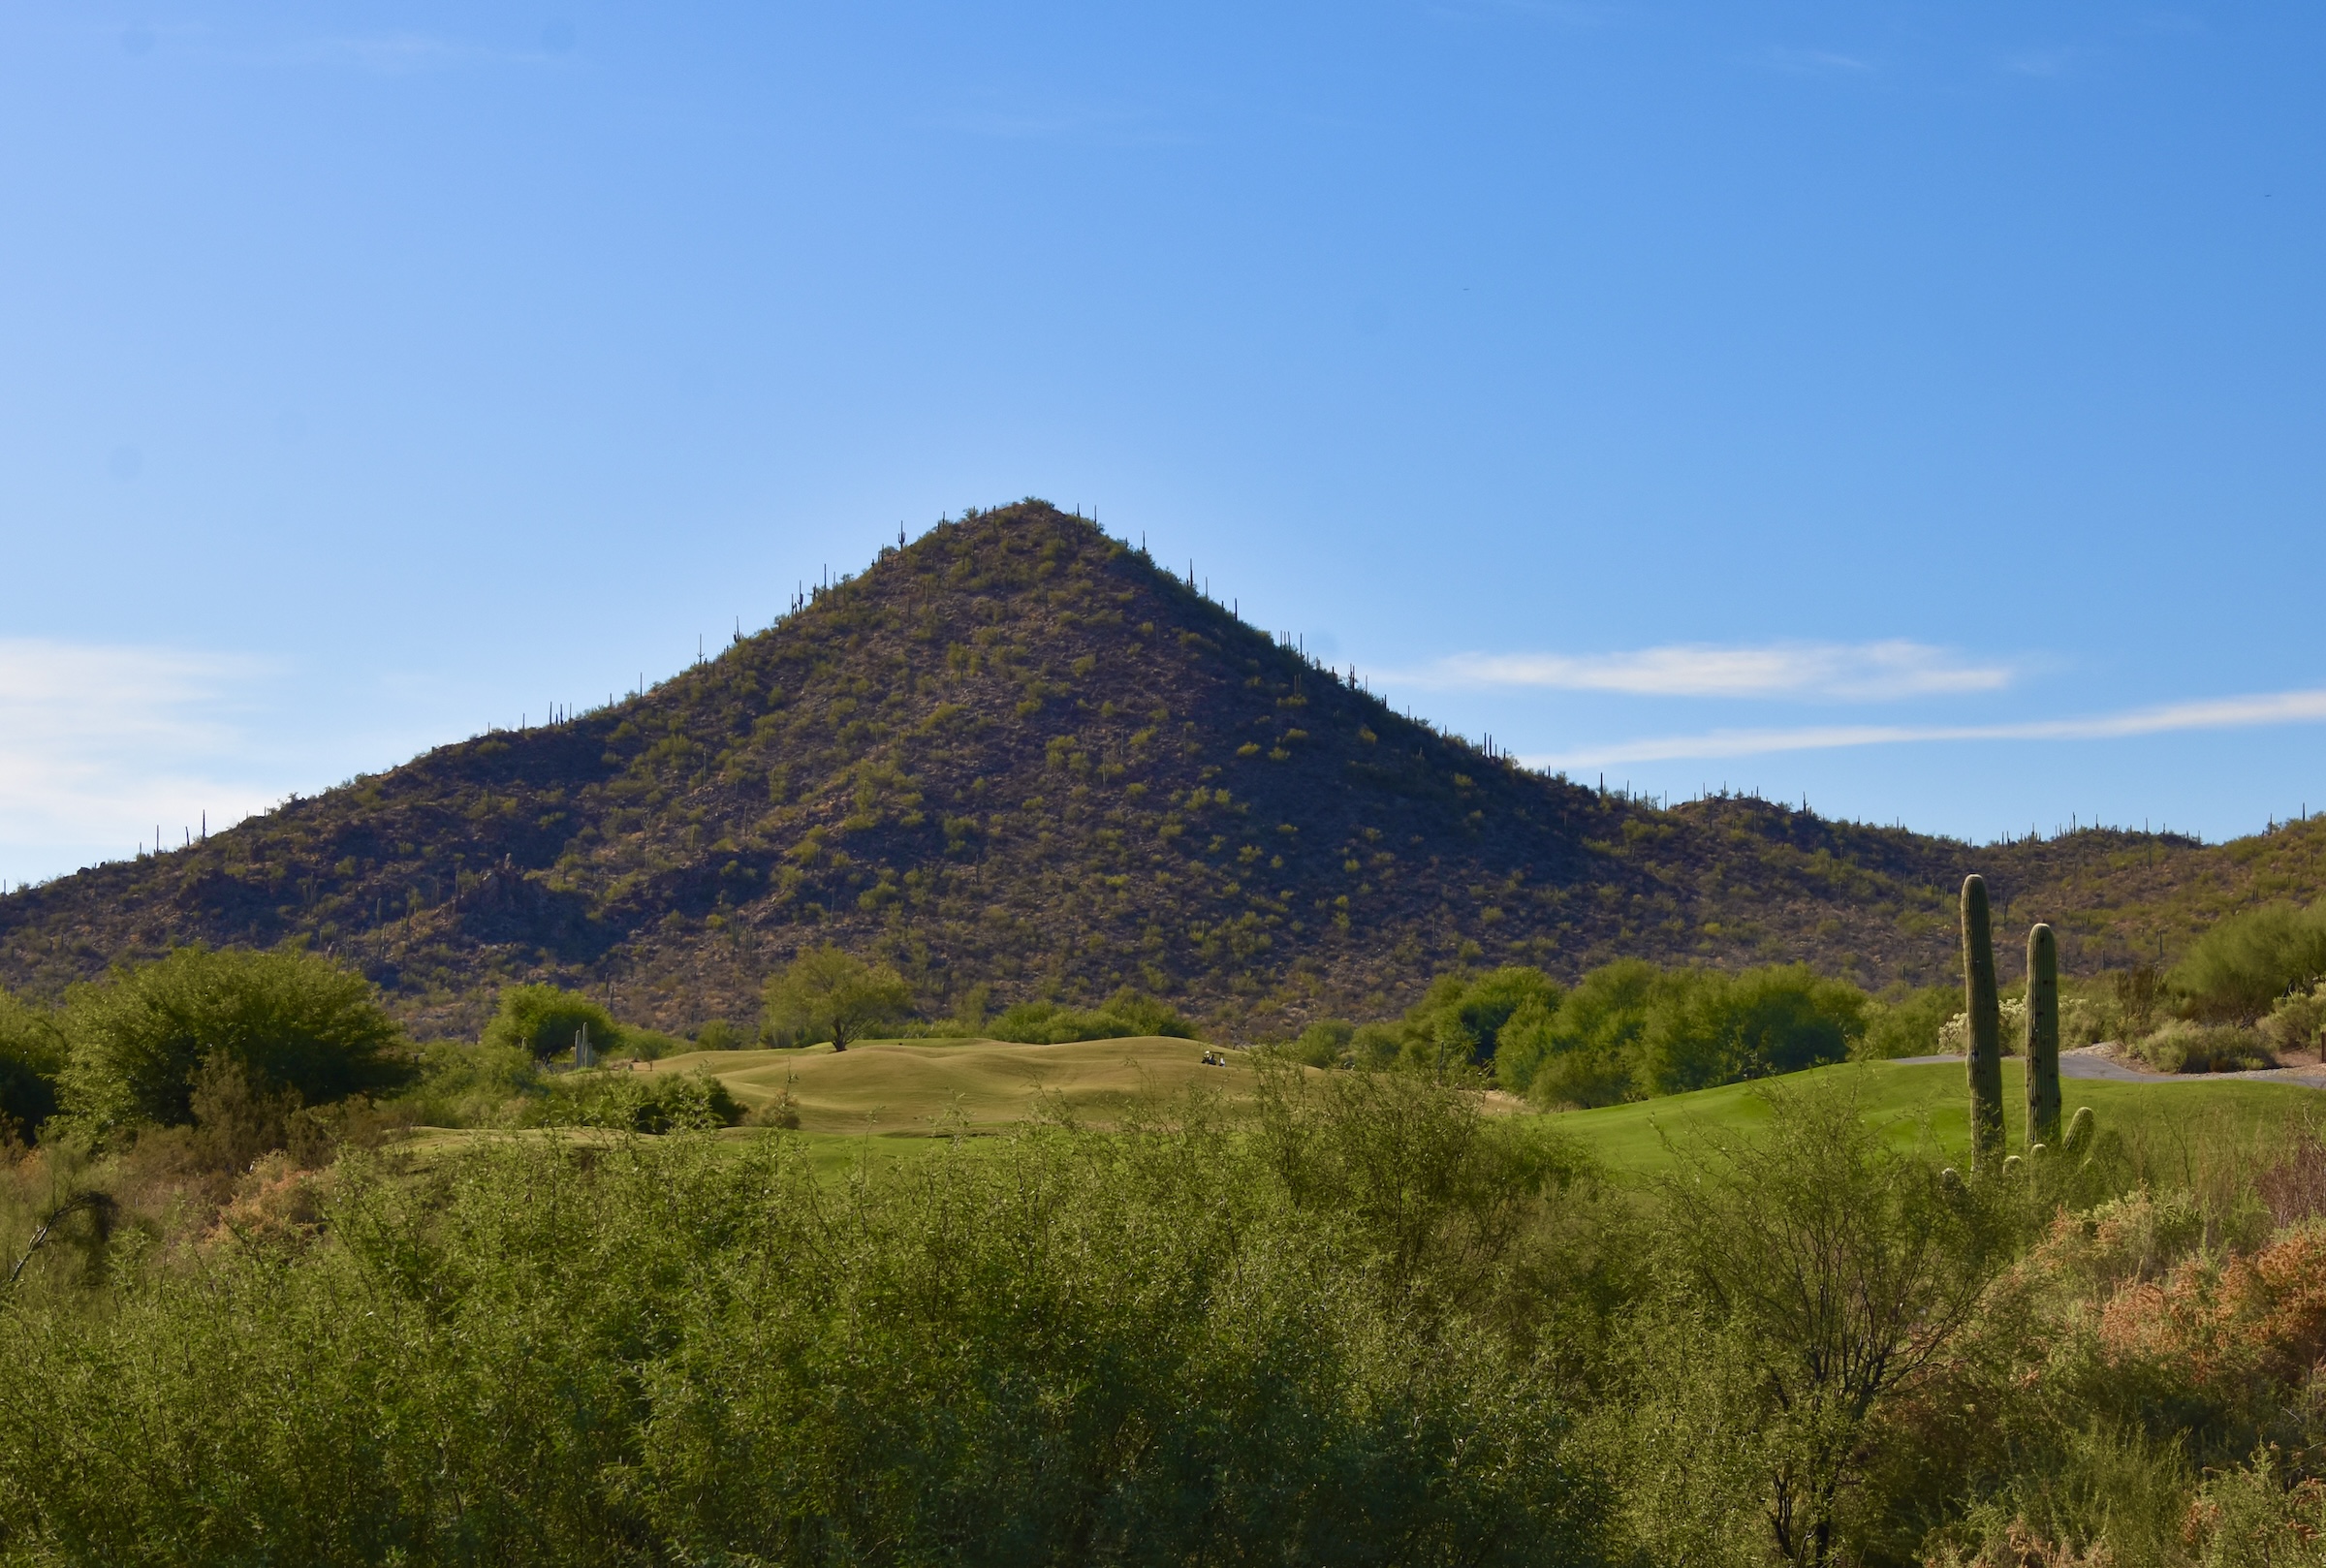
x=1911 y=408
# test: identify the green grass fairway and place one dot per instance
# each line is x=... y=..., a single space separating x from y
x=2164 y=1117
x=884 y=1100
x=919 y=1087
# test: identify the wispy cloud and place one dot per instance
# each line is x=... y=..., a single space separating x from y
x=2266 y=709
x=1832 y=672
x=409 y=53
x=2039 y=62
x=98 y=744
x=1817 y=62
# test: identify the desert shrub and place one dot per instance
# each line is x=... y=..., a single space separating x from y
x=1460 y=1020
x=1810 y=1278
x=1910 y=1023
x=1127 y=1015
x=2295 y=1022
x=2082 y=1022
x=290 y=1020
x=1070 y=1348
x=1375 y=1045
x=2244 y=962
x=1630 y=1029
x=652 y=1045
x=2100 y=1496
x=459 y=1085
x=2258 y=1516
x=719 y=1035
x=2183 y=1046
x=628 y=1101
x=1715 y=1028
x=32 y=1053
x=545 y=1020
x=1323 y=1044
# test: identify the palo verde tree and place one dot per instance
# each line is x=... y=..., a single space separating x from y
x=1818 y=1270
x=289 y=1021
x=826 y=993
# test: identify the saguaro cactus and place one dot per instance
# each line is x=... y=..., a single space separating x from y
x=2043 y=1036
x=1985 y=1019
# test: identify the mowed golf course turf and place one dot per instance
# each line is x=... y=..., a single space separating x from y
x=2171 y=1118
x=882 y=1101
x=920 y=1088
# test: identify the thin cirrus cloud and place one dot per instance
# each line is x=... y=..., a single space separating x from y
x=100 y=742
x=2258 y=710
x=1826 y=671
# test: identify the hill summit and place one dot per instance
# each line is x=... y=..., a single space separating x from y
x=1016 y=754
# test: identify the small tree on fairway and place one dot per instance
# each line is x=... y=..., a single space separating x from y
x=826 y=993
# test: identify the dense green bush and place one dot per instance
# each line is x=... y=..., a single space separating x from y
x=288 y=1019
x=2244 y=962
x=1909 y=1023
x=1630 y=1029
x=2185 y=1046
x=633 y=1101
x=1322 y=1044
x=2295 y=1022
x=1167 y=1347
x=1459 y=1021
x=459 y=1085
x=545 y=1021
x=1127 y=1015
x=32 y=1053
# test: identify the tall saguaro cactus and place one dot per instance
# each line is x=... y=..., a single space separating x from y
x=1985 y=1018
x=2043 y=1037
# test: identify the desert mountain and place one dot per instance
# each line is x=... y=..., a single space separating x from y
x=1017 y=754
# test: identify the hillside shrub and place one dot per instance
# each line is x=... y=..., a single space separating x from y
x=288 y=1019
x=459 y=1085
x=545 y=1020
x=2245 y=962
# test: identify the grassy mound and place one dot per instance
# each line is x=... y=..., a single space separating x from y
x=2190 y=1119
x=919 y=1087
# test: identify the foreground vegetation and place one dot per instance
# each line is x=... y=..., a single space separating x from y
x=1361 y=1323
x=1332 y=1305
